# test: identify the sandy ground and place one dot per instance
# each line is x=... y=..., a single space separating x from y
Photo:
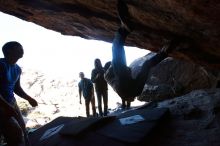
x=52 y=107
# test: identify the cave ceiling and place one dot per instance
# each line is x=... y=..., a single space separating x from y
x=194 y=22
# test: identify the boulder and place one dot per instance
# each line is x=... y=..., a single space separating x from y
x=194 y=120
x=173 y=77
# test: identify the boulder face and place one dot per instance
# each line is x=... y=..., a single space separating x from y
x=195 y=22
x=194 y=120
x=173 y=77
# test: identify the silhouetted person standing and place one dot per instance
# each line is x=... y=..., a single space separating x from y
x=101 y=86
x=86 y=88
x=11 y=121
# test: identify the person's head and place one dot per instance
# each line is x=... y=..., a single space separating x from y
x=81 y=75
x=12 y=51
x=97 y=63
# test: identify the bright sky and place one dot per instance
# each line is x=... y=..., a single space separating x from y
x=56 y=54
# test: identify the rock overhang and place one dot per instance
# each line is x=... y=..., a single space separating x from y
x=195 y=22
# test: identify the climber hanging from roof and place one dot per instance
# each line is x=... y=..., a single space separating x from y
x=118 y=75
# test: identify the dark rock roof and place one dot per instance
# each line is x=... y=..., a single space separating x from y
x=196 y=22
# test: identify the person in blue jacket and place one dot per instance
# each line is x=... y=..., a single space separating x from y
x=12 y=124
x=87 y=90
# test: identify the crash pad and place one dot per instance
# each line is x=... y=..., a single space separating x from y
x=129 y=128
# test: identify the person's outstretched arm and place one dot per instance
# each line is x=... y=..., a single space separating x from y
x=20 y=92
x=93 y=76
x=80 y=94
